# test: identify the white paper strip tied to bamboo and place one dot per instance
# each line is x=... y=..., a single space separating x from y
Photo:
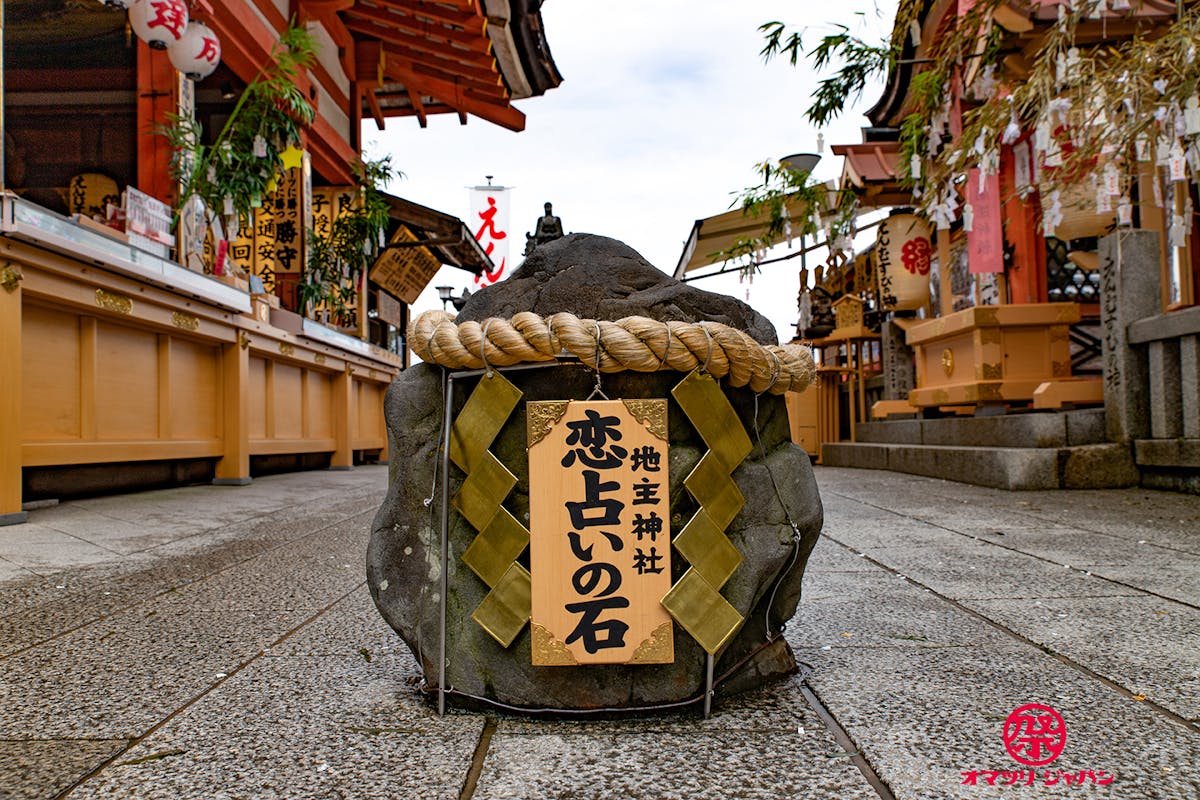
x=904 y=252
x=639 y=344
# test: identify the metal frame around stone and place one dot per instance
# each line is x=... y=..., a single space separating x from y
x=713 y=557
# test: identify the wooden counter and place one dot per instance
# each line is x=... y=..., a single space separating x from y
x=100 y=365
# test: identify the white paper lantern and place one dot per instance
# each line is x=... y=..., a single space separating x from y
x=197 y=54
x=903 y=254
x=158 y=23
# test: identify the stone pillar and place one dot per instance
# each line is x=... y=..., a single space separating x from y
x=1189 y=379
x=1130 y=289
x=1166 y=408
x=899 y=372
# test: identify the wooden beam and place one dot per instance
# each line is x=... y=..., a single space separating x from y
x=473 y=65
x=345 y=42
x=397 y=64
x=331 y=154
x=156 y=98
x=462 y=118
x=373 y=104
x=467 y=20
x=479 y=55
x=430 y=29
x=418 y=106
x=368 y=61
x=323 y=8
x=457 y=97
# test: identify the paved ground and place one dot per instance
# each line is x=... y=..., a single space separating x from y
x=220 y=643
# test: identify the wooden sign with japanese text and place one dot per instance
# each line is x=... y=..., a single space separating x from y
x=279 y=237
x=329 y=203
x=405 y=270
x=600 y=538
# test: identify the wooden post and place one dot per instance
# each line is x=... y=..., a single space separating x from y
x=156 y=85
x=234 y=467
x=944 y=290
x=345 y=413
x=10 y=397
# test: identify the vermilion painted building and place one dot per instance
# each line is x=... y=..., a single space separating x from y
x=119 y=365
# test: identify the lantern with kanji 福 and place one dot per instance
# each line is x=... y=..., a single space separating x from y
x=159 y=23
x=904 y=252
x=197 y=54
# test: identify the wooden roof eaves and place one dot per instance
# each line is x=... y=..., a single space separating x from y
x=465 y=100
x=470 y=21
x=430 y=29
x=479 y=54
x=404 y=69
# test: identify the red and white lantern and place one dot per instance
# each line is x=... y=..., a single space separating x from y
x=904 y=253
x=159 y=23
x=197 y=54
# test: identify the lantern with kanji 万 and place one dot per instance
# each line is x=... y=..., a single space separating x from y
x=197 y=53
x=905 y=252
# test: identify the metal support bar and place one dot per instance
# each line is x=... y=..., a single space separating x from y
x=448 y=388
x=444 y=478
x=708 y=684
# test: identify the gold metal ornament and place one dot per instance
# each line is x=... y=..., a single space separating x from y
x=493 y=552
x=695 y=601
x=505 y=609
x=185 y=321
x=10 y=277
x=112 y=301
x=702 y=611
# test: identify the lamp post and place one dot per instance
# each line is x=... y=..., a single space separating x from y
x=444 y=294
x=805 y=163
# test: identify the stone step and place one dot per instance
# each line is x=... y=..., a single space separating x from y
x=1092 y=466
x=1038 y=430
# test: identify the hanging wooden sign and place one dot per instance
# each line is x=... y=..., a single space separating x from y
x=600 y=538
x=405 y=270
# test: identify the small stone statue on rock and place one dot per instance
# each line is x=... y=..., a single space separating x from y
x=549 y=228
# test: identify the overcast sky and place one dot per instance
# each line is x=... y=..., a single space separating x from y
x=664 y=109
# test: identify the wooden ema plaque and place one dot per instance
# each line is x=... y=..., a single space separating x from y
x=600 y=538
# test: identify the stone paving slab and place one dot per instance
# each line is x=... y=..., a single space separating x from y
x=972 y=569
x=33 y=769
x=868 y=609
x=923 y=717
x=301 y=727
x=249 y=655
x=1164 y=575
x=117 y=678
x=1146 y=644
x=670 y=766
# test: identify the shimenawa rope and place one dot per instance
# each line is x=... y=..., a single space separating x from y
x=640 y=344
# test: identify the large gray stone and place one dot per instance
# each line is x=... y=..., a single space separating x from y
x=589 y=276
x=595 y=277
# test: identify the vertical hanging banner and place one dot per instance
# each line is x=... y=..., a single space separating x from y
x=600 y=538
x=489 y=222
x=985 y=239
